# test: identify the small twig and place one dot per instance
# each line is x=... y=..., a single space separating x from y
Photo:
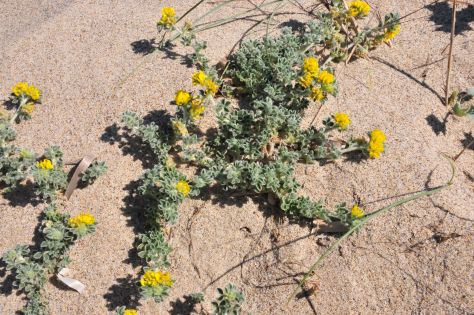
x=315 y=115
x=450 y=56
x=463 y=150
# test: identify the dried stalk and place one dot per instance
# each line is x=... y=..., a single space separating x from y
x=450 y=56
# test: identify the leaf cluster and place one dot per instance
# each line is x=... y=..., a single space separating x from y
x=31 y=268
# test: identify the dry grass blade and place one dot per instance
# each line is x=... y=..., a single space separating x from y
x=450 y=56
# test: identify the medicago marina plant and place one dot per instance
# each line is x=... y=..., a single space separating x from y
x=32 y=266
x=259 y=99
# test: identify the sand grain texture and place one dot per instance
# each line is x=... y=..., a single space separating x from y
x=79 y=52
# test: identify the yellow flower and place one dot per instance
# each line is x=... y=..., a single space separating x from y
x=326 y=78
x=196 y=112
x=199 y=78
x=82 y=219
x=357 y=212
x=130 y=312
x=359 y=8
x=311 y=66
x=168 y=17
x=392 y=32
x=182 y=98
x=20 y=88
x=45 y=164
x=180 y=128
x=33 y=92
x=28 y=108
x=212 y=87
x=377 y=135
x=182 y=187
x=306 y=80
x=317 y=94
x=376 y=149
x=342 y=119
x=154 y=278
x=376 y=146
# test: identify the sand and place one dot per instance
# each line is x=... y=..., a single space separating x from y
x=416 y=259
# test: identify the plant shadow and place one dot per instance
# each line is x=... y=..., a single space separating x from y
x=147 y=47
x=468 y=141
x=132 y=145
x=124 y=292
x=21 y=196
x=144 y=46
x=441 y=17
x=437 y=125
x=182 y=307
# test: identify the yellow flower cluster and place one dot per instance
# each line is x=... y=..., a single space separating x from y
x=326 y=78
x=306 y=80
x=200 y=78
x=168 y=17
x=45 y=164
x=317 y=94
x=197 y=109
x=343 y=120
x=311 y=66
x=311 y=70
x=23 y=88
x=28 y=108
x=82 y=219
x=154 y=278
x=130 y=312
x=183 y=187
x=376 y=144
x=359 y=8
x=392 y=32
x=357 y=212
x=182 y=98
x=180 y=128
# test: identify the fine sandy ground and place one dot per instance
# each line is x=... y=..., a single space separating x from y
x=416 y=259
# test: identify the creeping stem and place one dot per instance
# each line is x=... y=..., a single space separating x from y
x=360 y=223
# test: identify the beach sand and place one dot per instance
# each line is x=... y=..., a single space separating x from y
x=416 y=259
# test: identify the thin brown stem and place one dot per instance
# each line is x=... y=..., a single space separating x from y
x=463 y=150
x=316 y=115
x=450 y=56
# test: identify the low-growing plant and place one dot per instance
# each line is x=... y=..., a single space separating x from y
x=259 y=100
x=229 y=301
x=33 y=266
x=18 y=164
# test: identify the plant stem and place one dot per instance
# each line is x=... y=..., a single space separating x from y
x=463 y=150
x=365 y=220
x=315 y=115
x=23 y=101
x=450 y=56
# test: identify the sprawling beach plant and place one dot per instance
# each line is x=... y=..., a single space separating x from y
x=17 y=165
x=32 y=266
x=259 y=100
